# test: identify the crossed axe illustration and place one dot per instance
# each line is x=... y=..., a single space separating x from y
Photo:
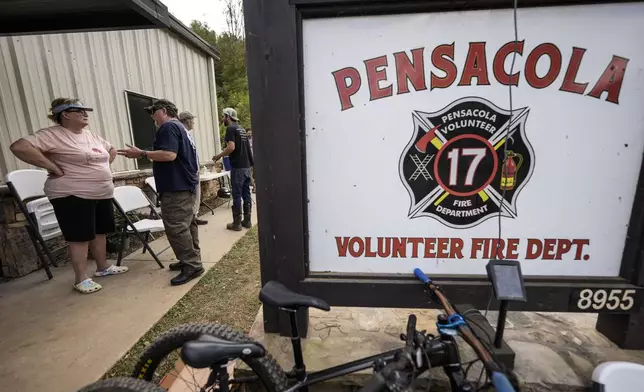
x=421 y=145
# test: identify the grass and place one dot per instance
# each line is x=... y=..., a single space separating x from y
x=226 y=294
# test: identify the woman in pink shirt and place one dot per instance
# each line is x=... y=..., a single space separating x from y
x=79 y=187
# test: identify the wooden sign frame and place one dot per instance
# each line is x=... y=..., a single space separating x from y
x=275 y=76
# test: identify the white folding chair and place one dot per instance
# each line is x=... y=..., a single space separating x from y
x=149 y=181
x=131 y=198
x=41 y=220
x=617 y=376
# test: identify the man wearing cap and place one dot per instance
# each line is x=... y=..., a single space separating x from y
x=188 y=121
x=175 y=168
x=241 y=160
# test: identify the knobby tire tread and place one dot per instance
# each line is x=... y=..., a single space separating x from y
x=266 y=368
x=121 y=384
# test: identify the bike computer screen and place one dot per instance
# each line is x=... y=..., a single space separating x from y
x=507 y=280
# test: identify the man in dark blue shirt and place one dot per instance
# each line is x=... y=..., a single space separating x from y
x=176 y=174
x=241 y=161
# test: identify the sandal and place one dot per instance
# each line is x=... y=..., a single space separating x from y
x=87 y=286
x=111 y=270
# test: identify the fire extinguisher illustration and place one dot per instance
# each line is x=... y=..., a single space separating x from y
x=510 y=169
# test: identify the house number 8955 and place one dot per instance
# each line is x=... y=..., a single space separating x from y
x=609 y=299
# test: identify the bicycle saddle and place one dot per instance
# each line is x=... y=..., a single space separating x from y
x=209 y=350
x=276 y=294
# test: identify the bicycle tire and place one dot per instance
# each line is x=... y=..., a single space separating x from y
x=270 y=373
x=121 y=384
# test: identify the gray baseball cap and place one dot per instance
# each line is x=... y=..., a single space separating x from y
x=230 y=112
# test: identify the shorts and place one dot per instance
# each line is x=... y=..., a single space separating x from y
x=81 y=219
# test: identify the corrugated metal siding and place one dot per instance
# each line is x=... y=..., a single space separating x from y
x=98 y=68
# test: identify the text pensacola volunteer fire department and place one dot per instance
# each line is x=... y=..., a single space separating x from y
x=458 y=166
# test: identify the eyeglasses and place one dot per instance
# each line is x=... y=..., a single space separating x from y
x=81 y=111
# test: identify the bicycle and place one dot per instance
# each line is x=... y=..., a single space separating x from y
x=121 y=384
x=213 y=346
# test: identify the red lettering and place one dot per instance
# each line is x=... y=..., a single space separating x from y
x=497 y=248
x=399 y=247
x=580 y=247
x=345 y=91
x=375 y=76
x=486 y=249
x=563 y=246
x=611 y=80
x=531 y=253
x=406 y=71
x=415 y=241
x=456 y=249
x=342 y=243
x=352 y=249
x=475 y=66
x=384 y=246
x=513 y=245
x=548 y=249
x=477 y=246
x=443 y=59
x=429 y=248
x=368 y=251
x=553 y=70
x=443 y=244
x=569 y=84
x=498 y=66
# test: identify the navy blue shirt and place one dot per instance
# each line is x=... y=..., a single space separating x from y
x=182 y=173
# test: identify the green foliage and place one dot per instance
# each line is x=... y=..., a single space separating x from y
x=230 y=71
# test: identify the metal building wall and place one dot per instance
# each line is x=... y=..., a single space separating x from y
x=97 y=68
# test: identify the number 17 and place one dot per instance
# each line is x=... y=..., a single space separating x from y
x=453 y=156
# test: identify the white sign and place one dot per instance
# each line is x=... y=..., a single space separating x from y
x=406 y=118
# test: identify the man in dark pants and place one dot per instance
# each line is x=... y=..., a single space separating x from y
x=175 y=170
x=241 y=161
x=188 y=121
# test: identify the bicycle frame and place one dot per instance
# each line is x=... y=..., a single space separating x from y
x=341 y=370
x=304 y=380
x=444 y=353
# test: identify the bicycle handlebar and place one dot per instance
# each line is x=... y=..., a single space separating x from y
x=501 y=382
x=499 y=379
x=397 y=375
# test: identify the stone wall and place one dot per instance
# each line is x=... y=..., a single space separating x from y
x=17 y=253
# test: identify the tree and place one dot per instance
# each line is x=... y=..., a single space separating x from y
x=230 y=70
x=234 y=13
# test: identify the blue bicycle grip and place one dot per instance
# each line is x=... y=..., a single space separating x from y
x=501 y=383
x=421 y=275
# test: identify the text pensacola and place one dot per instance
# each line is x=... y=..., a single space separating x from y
x=484 y=63
x=458 y=248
